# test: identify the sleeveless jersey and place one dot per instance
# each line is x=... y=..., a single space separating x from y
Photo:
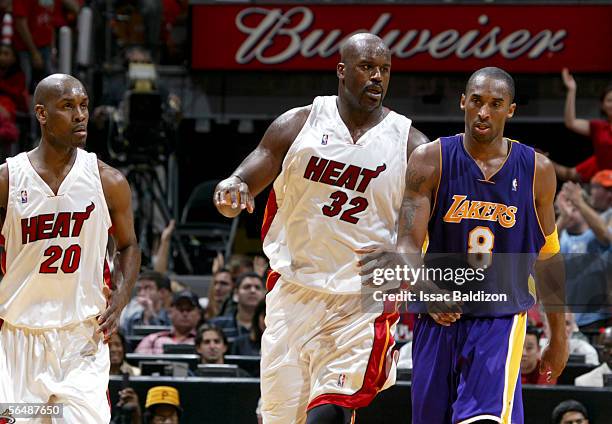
x=333 y=196
x=498 y=215
x=55 y=246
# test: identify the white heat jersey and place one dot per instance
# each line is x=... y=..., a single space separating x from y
x=55 y=246
x=333 y=196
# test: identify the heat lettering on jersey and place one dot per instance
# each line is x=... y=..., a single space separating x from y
x=340 y=174
x=49 y=226
x=462 y=208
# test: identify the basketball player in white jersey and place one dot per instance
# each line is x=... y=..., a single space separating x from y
x=58 y=310
x=339 y=169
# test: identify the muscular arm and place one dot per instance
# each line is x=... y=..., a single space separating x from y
x=261 y=166
x=422 y=179
x=550 y=272
x=119 y=200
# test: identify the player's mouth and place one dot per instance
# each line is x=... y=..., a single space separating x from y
x=481 y=128
x=80 y=131
x=374 y=91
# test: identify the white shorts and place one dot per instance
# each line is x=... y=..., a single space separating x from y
x=321 y=348
x=68 y=365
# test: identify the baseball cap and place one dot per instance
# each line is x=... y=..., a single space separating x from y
x=163 y=395
x=603 y=178
x=186 y=294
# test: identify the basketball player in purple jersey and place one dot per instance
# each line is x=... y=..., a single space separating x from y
x=480 y=192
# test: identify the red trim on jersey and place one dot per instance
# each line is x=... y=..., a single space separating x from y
x=375 y=375
x=273 y=277
x=111 y=230
x=107 y=275
x=110 y=406
x=269 y=214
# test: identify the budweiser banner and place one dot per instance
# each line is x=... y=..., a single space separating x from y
x=538 y=38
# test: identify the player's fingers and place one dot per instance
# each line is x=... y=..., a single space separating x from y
x=250 y=203
x=233 y=193
x=368 y=256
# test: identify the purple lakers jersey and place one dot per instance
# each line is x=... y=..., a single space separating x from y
x=494 y=219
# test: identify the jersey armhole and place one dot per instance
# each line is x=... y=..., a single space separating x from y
x=435 y=197
x=107 y=217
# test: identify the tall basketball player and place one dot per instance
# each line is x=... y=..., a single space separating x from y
x=339 y=169
x=480 y=192
x=58 y=204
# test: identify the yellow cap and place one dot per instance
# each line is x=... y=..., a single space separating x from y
x=162 y=395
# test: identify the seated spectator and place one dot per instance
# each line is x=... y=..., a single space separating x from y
x=249 y=291
x=185 y=314
x=250 y=344
x=219 y=292
x=530 y=361
x=127 y=410
x=117 y=347
x=162 y=406
x=595 y=377
x=570 y=412
x=578 y=344
x=601 y=194
x=584 y=240
x=212 y=346
x=148 y=288
x=240 y=264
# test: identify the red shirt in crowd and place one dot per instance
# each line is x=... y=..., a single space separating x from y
x=601 y=137
x=534 y=377
x=39 y=15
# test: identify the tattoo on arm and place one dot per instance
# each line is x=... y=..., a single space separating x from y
x=409 y=214
x=415 y=181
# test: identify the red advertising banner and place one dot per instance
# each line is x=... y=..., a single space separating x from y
x=537 y=38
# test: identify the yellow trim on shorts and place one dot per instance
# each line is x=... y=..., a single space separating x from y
x=513 y=364
x=551 y=246
x=384 y=352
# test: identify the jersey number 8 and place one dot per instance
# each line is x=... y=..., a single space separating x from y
x=480 y=247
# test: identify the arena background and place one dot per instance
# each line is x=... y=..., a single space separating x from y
x=236 y=65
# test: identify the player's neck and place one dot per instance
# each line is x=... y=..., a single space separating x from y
x=55 y=157
x=496 y=148
x=357 y=117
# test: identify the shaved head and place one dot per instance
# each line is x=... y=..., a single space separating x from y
x=495 y=74
x=53 y=86
x=363 y=44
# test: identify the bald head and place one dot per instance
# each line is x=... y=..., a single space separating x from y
x=54 y=86
x=360 y=44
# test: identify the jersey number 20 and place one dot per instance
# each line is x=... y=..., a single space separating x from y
x=71 y=258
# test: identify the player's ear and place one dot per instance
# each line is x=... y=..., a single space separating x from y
x=340 y=70
x=462 y=102
x=511 y=110
x=41 y=113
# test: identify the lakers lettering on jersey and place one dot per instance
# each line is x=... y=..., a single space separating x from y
x=54 y=246
x=333 y=196
x=497 y=215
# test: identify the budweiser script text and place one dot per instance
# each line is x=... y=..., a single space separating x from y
x=292 y=29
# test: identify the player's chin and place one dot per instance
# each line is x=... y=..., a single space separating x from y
x=79 y=141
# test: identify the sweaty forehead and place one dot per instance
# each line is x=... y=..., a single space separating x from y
x=71 y=90
x=367 y=50
x=488 y=86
